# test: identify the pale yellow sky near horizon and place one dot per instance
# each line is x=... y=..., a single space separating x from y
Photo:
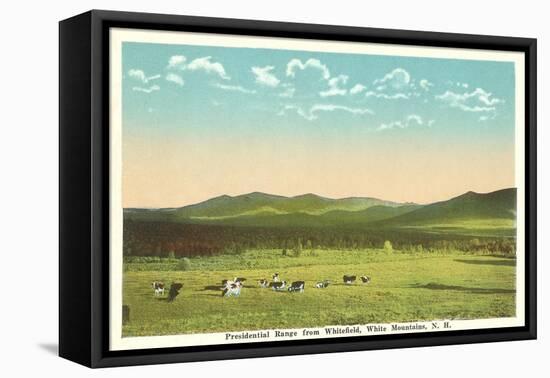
x=174 y=172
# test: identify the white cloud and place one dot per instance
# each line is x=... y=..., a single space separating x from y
x=205 y=64
x=298 y=110
x=357 y=88
x=486 y=97
x=296 y=64
x=332 y=107
x=394 y=96
x=425 y=84
x=152 y=88
x=265 y=77
x=476 y=101
x=288 y=92
x=174 y=78
x=396 y=79
x=233 y=88
x=311 y=114
x=335 y=88
x=139 y=75
x=177 y=61
x=457 y=84
x=487 y=117
x=410 y=120
x=396 y=85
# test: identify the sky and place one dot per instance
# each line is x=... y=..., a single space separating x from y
x=203 y=121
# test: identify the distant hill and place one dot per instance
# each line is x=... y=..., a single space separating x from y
x=334 y=218
x=470 y=206
x=256 y=203
x=310 y=210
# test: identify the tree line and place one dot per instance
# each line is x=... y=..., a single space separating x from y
x=165 y=239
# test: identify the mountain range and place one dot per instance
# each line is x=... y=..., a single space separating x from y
x=311 y=210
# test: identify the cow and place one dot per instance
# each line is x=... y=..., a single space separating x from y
x=278 y=285
x=348 y=280
x=236 y=279
x=276 y=277
x=263 y=283
x=365 y=279
x=322 y=284
x=174 y=291
x=227 y=283
x=240 y=279
x=232 y=289
x=297 y=286
x=158 y=287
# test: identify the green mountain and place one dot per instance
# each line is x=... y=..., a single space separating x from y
x=470 y=206
x=495 y=209
x=257 y=204
x=334 y=218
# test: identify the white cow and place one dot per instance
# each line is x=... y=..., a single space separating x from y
x=158 y=287
x=278 y=285
x=232 y=289
x=322 y=284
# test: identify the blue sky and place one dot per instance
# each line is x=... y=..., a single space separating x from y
x=379 y=92
x=327 y=101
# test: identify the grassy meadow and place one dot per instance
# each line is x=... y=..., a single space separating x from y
x=412 y=286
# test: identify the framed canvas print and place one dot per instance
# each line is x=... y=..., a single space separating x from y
x=233 y=188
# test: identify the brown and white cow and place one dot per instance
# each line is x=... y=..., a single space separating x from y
x=348 y=280
x=232 y=289
x=365 y=279
x=158 y=287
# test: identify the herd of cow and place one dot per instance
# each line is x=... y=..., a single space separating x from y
x=233 y=287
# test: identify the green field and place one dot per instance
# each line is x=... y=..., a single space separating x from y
x=404 y=287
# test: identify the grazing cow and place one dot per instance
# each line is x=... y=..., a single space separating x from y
x=233 y=288
x=263 y=283
x=276 y=277
x=158 y=287
x=322 y=284
x=297 y=286
x=365 y=279
x=174 y=291
x=227 y=283
x=348 y=280
x=278 y=285
x=236 y=279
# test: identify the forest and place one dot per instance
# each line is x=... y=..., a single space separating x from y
x=165 y=239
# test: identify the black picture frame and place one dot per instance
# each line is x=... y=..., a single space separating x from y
x=84 y=187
